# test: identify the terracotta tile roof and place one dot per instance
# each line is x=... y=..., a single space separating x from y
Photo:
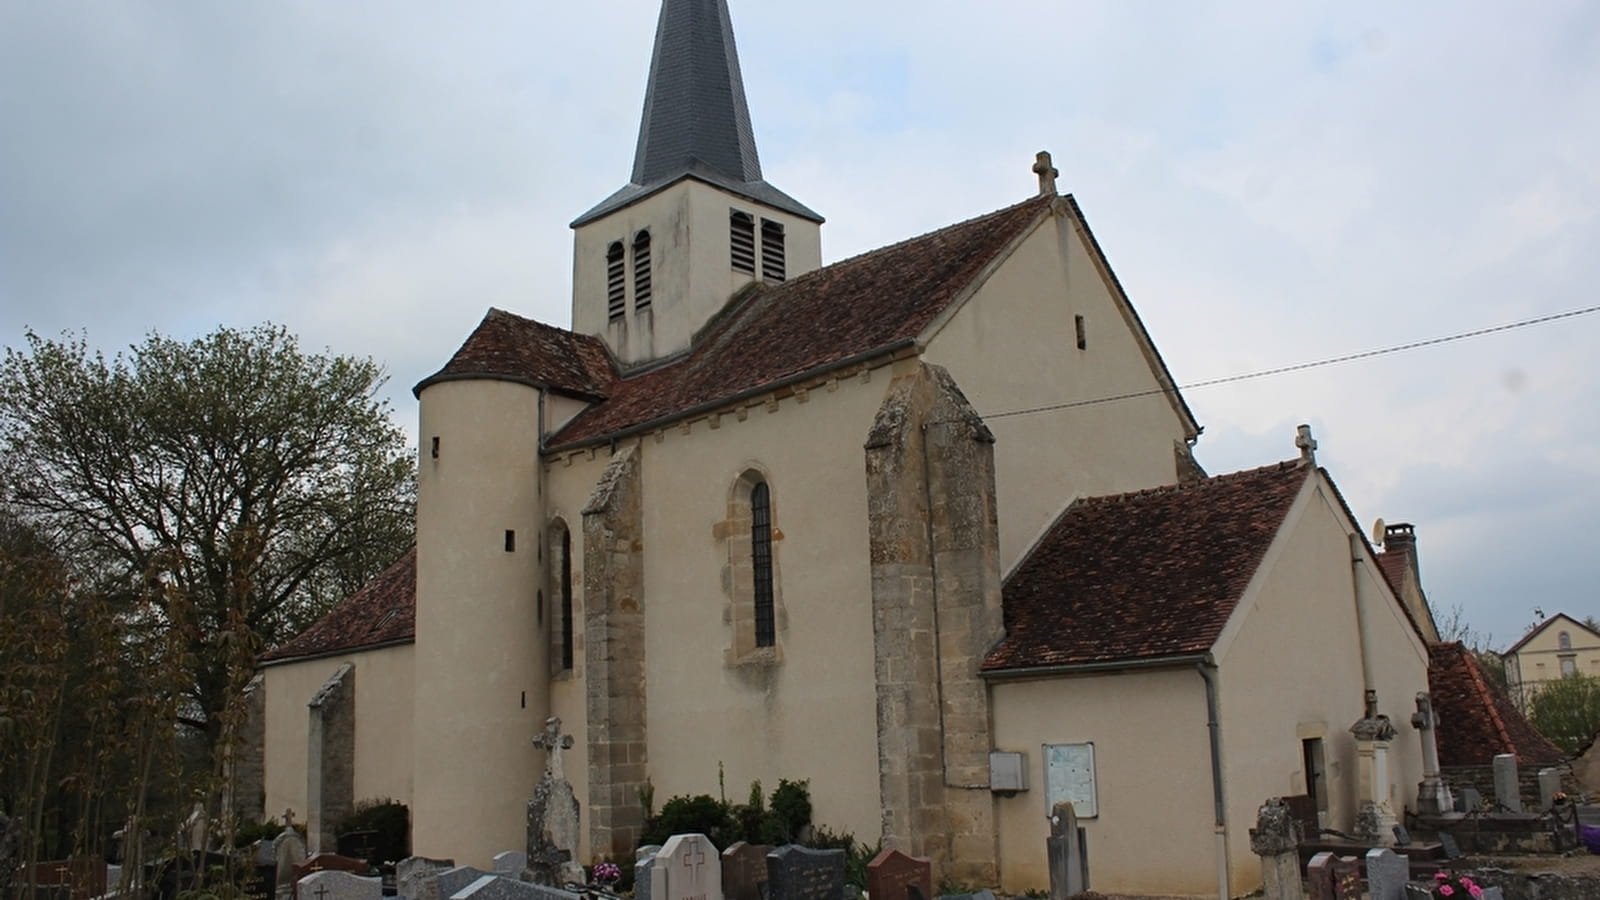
x=383 y=611
x=1144 y=575
x=1477 y=719
x=1394 y=566
x=510 y=347
x=841 y=312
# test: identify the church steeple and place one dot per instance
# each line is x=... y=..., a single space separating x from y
x=696 y=121
x=655 y=261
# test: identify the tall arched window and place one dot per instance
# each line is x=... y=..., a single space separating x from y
x=641 y=271
x=761 y=563
x=616 y=291
x=1565 y=640
x=566 y=599
x=559 y=583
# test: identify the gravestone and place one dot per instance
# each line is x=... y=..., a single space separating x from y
x=1468 y=800
x=1507 y=793
x=644 y=859
x=1549 y=787
x=744 y=870
x=414 y=877
x=1447 y=842
x=1402 y=837
x=984 y=894
x=687 y=868
x=1346 y=878
x=1387 y=874
x=288 y=852
x=553 y=816
x=339 y=884
x=499 y=887
x=1069 y=871
x=1319 y=876
x=510 y=862
x=448 y=883
x=1276 y=839
x=892 y=875
x=800 y=873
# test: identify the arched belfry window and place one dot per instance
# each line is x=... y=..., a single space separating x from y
x=616 y=291
x=761 y=564
x=742 y=241
x=641 y=271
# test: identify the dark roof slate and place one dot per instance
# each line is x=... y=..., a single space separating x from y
x=841 y=312
x=1144 y=575
x=383 y=611
x=508 y=346
x=696 y=121
x=1477 y=719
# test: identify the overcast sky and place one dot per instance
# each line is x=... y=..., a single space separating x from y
x=1274 y=184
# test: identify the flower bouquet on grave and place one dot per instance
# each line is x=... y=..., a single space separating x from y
x=606 y=875
x=1452 y=887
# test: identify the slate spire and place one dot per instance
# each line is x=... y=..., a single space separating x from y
x=696 y=121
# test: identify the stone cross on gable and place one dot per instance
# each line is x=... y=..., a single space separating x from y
x=1306 y=443
x=1047 y=173
x=553 y=742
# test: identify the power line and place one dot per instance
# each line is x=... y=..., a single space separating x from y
x=1298 y=367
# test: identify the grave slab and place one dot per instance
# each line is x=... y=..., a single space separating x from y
x=800 y=873
x=892 y=875
x=338 y=884
x=1387 y=874
x=744 y=870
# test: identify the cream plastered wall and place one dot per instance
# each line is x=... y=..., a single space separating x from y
x=812 y=715
x=1290 y=669
x=383 y=681
x=1539 y=660
x=691 y=271
x=482 y=682
x=1013 y=346
x=1153 y=834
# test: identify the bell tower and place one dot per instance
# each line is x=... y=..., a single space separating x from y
x=696 y=222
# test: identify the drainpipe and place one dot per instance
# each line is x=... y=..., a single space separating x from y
x=1363 y=631
x=1208 y=674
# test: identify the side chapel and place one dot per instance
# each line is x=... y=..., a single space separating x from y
x=757 y=516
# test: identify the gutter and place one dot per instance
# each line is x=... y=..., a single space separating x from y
x=1208 y=673
x=1159 y=662
x=285 y=660
x=711 y=405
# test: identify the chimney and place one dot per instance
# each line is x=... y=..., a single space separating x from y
x=1401 y=540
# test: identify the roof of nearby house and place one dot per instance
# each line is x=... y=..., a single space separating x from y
x=1145 y=575
x=1477 y=719
x=1537 y=629
x=383 y=611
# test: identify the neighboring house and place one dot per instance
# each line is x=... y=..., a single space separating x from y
x=756 y=518
x=1556 y=647
x=1478 y=721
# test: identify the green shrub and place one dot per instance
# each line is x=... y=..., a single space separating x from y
x=702 y=814
x=791 y=813
x=390 y=819
x=250 y=832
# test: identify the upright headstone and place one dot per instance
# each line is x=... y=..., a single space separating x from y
x=1346 y=878
x=687 y=868
x=337 y=884
x=553 y=816
x=892 y=875
x=1447 y=843
x=1068 y=871
x=414 y=877
x=644 y=859
x=800 y=873
x=1507 y=793
x=1549 y=787
x=510 y=862
x=1387 y=874
x=288 y=852
x=1433 y=796
x=1319 y=876
x=1468 y=800
x=1276 y=839
x=744 y=870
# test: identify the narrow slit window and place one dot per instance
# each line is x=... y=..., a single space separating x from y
x=761 y=559
x=616 y=292
x=566 y=599
x=1083 y=335
x=773 y=267
x=742 y=238
x=641 y=271
x=511 y=541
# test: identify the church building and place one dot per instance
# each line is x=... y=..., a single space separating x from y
x=753 y=517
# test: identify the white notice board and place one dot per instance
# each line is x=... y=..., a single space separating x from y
x=1069 y=776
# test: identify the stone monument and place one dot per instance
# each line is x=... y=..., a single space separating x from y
x=1433 y=797
x=1276 y=839
x=553 y=817
x=1375 y=819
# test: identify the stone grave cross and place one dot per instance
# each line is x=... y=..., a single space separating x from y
x=1433 y=797
x=553 y=742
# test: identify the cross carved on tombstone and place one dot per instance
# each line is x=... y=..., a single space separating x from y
x=553 y=742
x=321 y=892
x=698 y=860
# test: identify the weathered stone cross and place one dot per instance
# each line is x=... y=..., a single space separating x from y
x=553 y=742
x=1307 y=445
x=1047 y=173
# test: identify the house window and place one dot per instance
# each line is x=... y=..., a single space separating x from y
x=772 y=259
x=761 y=563
x=1569 y=666
x=641 y=271
x=753 y=580
x=616 y=293
x=560 y=584
x=742 y=240
x=1565 y=640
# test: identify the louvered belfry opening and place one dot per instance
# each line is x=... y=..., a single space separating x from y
x=742 y=239
x=773 y=266
x=616 y=292
x=641 y=271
